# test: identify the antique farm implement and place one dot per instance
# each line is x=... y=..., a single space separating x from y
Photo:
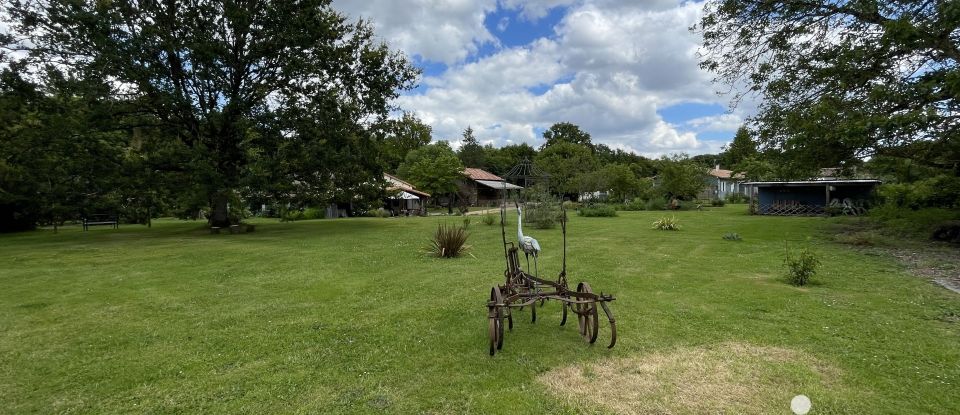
x=522 y=289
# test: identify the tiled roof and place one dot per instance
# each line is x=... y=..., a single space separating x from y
x=480 y=174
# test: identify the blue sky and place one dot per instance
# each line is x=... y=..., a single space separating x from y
x=625 y=71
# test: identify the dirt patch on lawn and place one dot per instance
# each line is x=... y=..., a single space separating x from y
x=725 y=378
x=938 y=262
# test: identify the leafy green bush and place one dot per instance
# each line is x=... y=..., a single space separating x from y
x=939 y=191
x=312 y=213
x=378 y=213
x=542 y=211
x=656 y=203
x=912 y=222
x=449 y=241
x=635 y=205
x=667 y=224
x=289 y=215
x=598 y=210
x=488 y=220
x=717 y=203
x=737 y=198
x=800 y=268
x=732 y=236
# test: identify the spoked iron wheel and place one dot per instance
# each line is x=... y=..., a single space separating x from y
x=587 y=316
x=497 y=313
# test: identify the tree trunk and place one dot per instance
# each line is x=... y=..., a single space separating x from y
x=219 y=217
x=450 y=203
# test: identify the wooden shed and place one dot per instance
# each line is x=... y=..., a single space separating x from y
x=484 y=188
x=808 y=197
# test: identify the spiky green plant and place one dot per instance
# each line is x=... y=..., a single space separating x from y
x=449 y=241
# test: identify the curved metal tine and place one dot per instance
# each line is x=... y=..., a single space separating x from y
x=563 y=307
x=613 y=324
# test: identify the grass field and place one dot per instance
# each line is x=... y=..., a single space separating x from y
x=349 y=316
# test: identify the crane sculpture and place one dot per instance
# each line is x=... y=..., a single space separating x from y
x=528 y=245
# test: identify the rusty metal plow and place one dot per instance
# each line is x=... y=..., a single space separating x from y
x=525 y=290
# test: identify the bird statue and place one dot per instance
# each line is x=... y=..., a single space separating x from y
x=529 y=245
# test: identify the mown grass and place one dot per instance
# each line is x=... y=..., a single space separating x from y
x=349 y=316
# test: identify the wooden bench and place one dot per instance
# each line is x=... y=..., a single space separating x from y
x=101 y=219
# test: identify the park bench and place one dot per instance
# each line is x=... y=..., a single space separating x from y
x=100 y=219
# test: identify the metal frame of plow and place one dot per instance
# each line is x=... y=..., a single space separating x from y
x=524 y=290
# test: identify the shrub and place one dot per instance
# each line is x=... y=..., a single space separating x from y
x=736 y=198
x=909 y=222
x=656 y=203
x=667 y=224
x=289 y=215
x=542 y=211
x=466 y=223
x=488 y=220
x=449 y=241
x=732 y=236
x=947 y=232
x=312 y=213
x=717 y=203
x=635 y=204
x=800 y=268
x=598 y=210
x=379 y=213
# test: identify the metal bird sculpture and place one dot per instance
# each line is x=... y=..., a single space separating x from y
x=528 y=245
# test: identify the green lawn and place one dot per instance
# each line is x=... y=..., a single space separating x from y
x=349 y=316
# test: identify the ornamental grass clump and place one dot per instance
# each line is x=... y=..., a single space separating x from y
x=667 y=224
x=488 y=220
x=449 y=241
x=732 y=236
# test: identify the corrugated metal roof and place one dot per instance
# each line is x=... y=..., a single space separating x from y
x=499 y=184
x=814 y=182
x=395 y=184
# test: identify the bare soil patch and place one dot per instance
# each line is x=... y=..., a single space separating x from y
x=724 y=378
x=938 y=262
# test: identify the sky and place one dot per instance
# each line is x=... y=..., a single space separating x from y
x=625 y=71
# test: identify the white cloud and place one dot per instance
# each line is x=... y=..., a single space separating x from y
x=721 y=122
x=608 y=68
x=535 y=9
x=438 y=30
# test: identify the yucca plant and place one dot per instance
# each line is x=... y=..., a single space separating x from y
x=449 y=241
x=667 y=224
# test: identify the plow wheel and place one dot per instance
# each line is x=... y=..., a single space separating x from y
x=587 y=315
x=495 y=317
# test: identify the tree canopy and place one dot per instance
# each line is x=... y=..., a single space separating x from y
x=434 y=168
x=563 y=161
x=840 y=80
x=471 y=153
x=681 y=177
x=564 y=132
x=271 y=96
x=398 y=136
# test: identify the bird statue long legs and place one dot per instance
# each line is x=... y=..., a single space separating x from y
x=529 y=245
